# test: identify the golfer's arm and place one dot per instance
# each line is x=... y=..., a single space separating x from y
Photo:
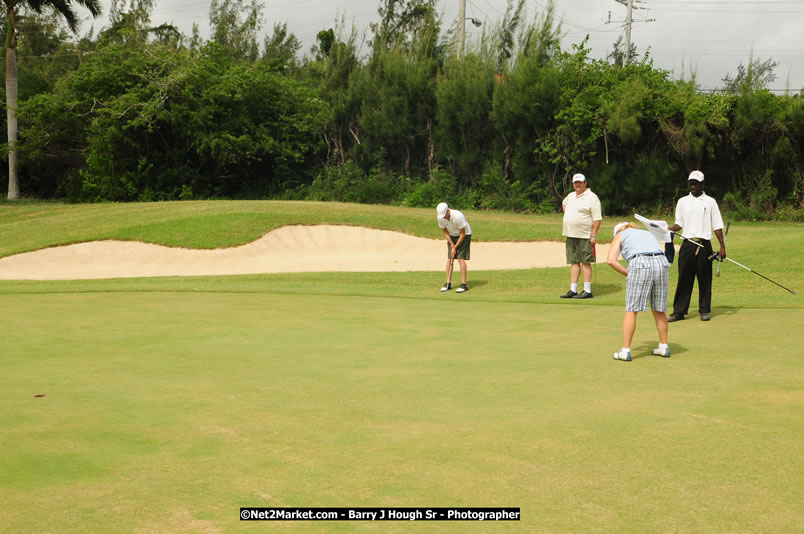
x=614 y=254
x=460 y=239
x=719 y=234
x=449 y=237
x=595 y=228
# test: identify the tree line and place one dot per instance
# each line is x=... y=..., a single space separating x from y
x=140 y=113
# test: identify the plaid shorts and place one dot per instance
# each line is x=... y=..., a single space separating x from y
x=648 y=278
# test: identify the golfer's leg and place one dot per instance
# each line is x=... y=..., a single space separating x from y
x=661 y=325
x=462 y=263
x=575 y=272
x=629 y=327
x=704 y=269
x=587 y=272
x=686 y=278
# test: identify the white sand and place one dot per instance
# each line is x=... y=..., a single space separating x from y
x=283 y=250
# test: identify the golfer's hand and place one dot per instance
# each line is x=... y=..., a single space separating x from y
x=454 y=250
x=721 y=254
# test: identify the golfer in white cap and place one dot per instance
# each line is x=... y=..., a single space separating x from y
x=697 y=218
x=459 y=238
x=582 y=216
x=646 y=280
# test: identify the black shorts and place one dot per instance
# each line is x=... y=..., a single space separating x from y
x=463 y=249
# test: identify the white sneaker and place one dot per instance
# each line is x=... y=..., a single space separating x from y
x=446 y=287
x=664 y=353
x=463 y=288
x=624 y=355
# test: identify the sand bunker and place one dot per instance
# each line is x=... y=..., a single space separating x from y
x=287 y=249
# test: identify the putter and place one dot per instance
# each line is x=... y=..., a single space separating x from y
x=713 y=256
x=449 y=273
x=725 y=235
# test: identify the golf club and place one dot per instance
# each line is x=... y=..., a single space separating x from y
x=713 y=256
x=449 y=273
x=725 y=235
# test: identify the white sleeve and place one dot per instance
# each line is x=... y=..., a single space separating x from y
x=717 y=220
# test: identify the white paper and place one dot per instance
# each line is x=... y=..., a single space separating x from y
x=660 y=231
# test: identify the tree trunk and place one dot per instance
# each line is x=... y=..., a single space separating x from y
x=430 y=150
x=11 y=116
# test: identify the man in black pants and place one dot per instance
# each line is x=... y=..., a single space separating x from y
x=698 y=215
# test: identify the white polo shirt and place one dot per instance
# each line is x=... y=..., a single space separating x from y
x=698 y=217
x=579 y=214
x=456 y=222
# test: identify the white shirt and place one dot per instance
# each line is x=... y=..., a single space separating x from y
x=698 y=217
x=579 y=213
x=456 y=222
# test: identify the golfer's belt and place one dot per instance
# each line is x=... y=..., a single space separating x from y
x=698 y=240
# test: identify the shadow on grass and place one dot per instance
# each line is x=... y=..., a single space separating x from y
x=722 y=312
x=644 y=351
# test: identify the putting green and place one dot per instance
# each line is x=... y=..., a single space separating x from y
x=168 y=410
x=169 y=403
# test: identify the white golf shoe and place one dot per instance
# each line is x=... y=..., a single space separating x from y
x=622 y=355
x=663 y=352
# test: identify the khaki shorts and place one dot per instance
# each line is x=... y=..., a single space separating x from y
x=463 y=249
x=579 y=250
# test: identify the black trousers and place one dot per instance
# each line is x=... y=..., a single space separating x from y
x=690 y=267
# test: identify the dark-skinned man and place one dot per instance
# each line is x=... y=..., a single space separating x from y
x=697 y=219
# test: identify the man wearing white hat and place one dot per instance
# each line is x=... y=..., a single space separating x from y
x=458 y=233
x=697 y=218
x=582 y=216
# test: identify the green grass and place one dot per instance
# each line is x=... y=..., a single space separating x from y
x=171 y=402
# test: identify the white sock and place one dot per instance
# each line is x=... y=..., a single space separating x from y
x=574 y=287
x=587 y=286
x=662 y=345
x=624 y=349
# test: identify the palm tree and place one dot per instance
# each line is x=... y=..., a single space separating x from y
x=65 y=9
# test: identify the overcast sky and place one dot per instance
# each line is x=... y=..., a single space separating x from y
x=710 y=37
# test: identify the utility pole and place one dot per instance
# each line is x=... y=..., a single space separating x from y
x=461 y=26
x=462 y=18
x=629 y=19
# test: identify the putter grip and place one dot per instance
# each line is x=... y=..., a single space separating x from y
x=713 y=256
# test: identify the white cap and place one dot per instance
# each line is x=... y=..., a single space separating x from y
x=697 y=176
x=441 y=210
x=619 y=227
x=578 y=178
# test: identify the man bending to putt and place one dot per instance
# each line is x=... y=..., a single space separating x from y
x=647 y=278
x=459 y=237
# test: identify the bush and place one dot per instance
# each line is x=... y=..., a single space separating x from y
x=493 y=192
x=349 y=183
x=440 y=188
x=789 y=213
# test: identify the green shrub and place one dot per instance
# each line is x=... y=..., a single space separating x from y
x=349 y=183
x=440 y=188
